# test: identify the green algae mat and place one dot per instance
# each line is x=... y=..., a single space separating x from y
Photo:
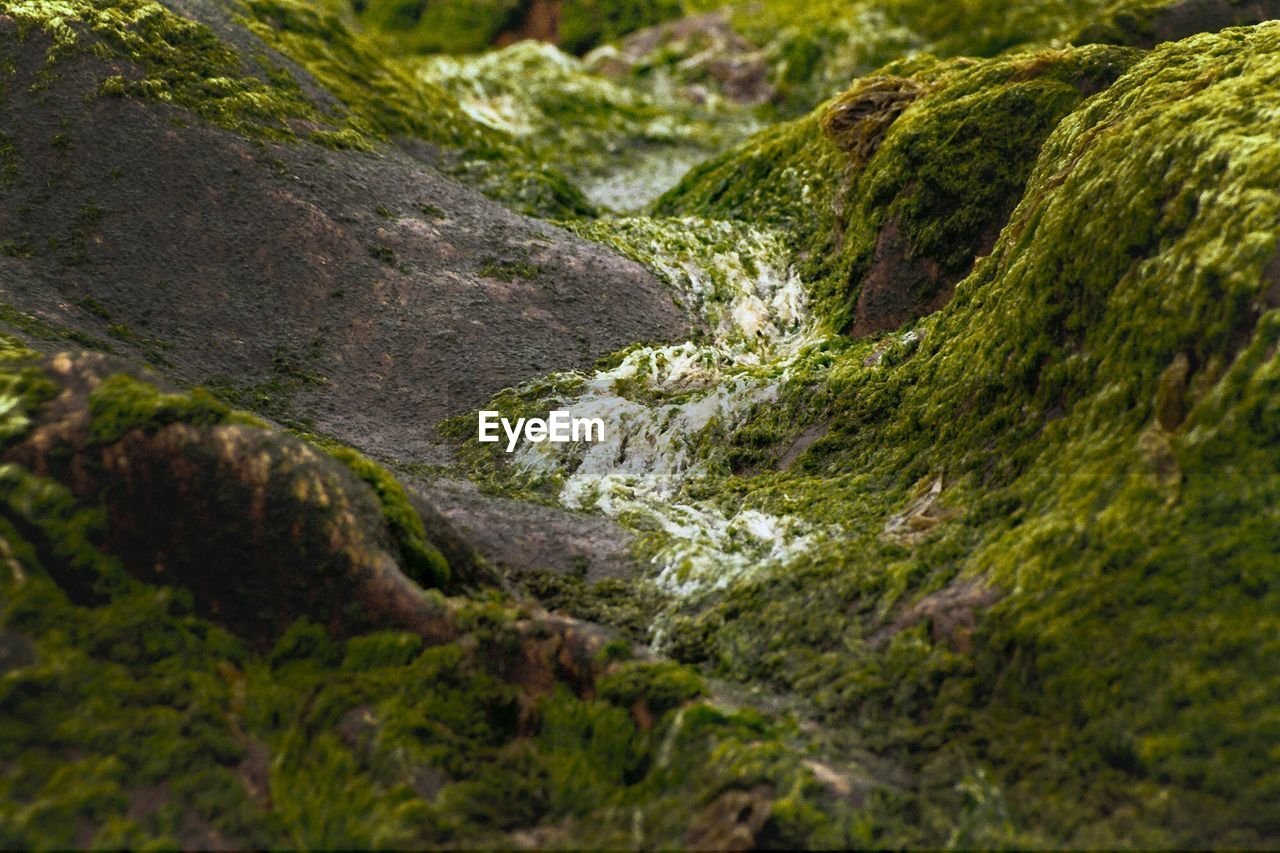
x=936 y=356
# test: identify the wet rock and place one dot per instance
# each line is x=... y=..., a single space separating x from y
x=515 y=535
x=900 y=286
x=952 y=614
x=1146 y=27
x=713 y=54
x=279 y=280
x=811 y=435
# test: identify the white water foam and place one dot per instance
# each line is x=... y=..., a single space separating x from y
x=665 y=406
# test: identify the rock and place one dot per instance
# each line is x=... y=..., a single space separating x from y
x=1145 y=26
x=919 y=516
x=900 y=286
x=712 y=51
x=262 y=527
x=282 y=282
x=951 y=613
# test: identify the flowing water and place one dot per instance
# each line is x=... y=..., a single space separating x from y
x=666 y=408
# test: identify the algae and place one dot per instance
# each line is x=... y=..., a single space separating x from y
x=178 y=61
x=590 y=127
x=1018 y=545
x=1079 y=442
x=182 y=736
x=1044 y=392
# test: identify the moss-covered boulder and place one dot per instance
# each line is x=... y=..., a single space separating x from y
x=1149 y=22
x=929 y=168
x=261 y=527
x=1056 y=494
x=206 y=641
x=387 y=101
x=300 y=73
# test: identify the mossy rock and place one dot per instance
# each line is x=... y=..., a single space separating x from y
x=936 y=163
x=387 y=101
x=1150 y=22
x=155 y=53
x=1096 y=406
x=169 y=468
x=128 y=719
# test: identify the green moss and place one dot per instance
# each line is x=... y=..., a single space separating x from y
x=122 y=403
x=1090 y=415
x=436 y=26
x=471 y=26
x=35 y=327
x=173 y=60
x=627 y=606
x=8 y=161
x=421 y=560
x=987 y=27
x=945 y=174
x=15 y=249
x=382 y=102
x=662 y=687
x=386 y=102
x=23 y=387
x=783 y=175
x=173 y=733
x=590 y=127
x=125 y=719
x=152 y=348
x=814 y=48
x=1144 y=23
x=382 y=253
x=94 y=307
x=1097 y=407
x=182 y=62
x=510 y=270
